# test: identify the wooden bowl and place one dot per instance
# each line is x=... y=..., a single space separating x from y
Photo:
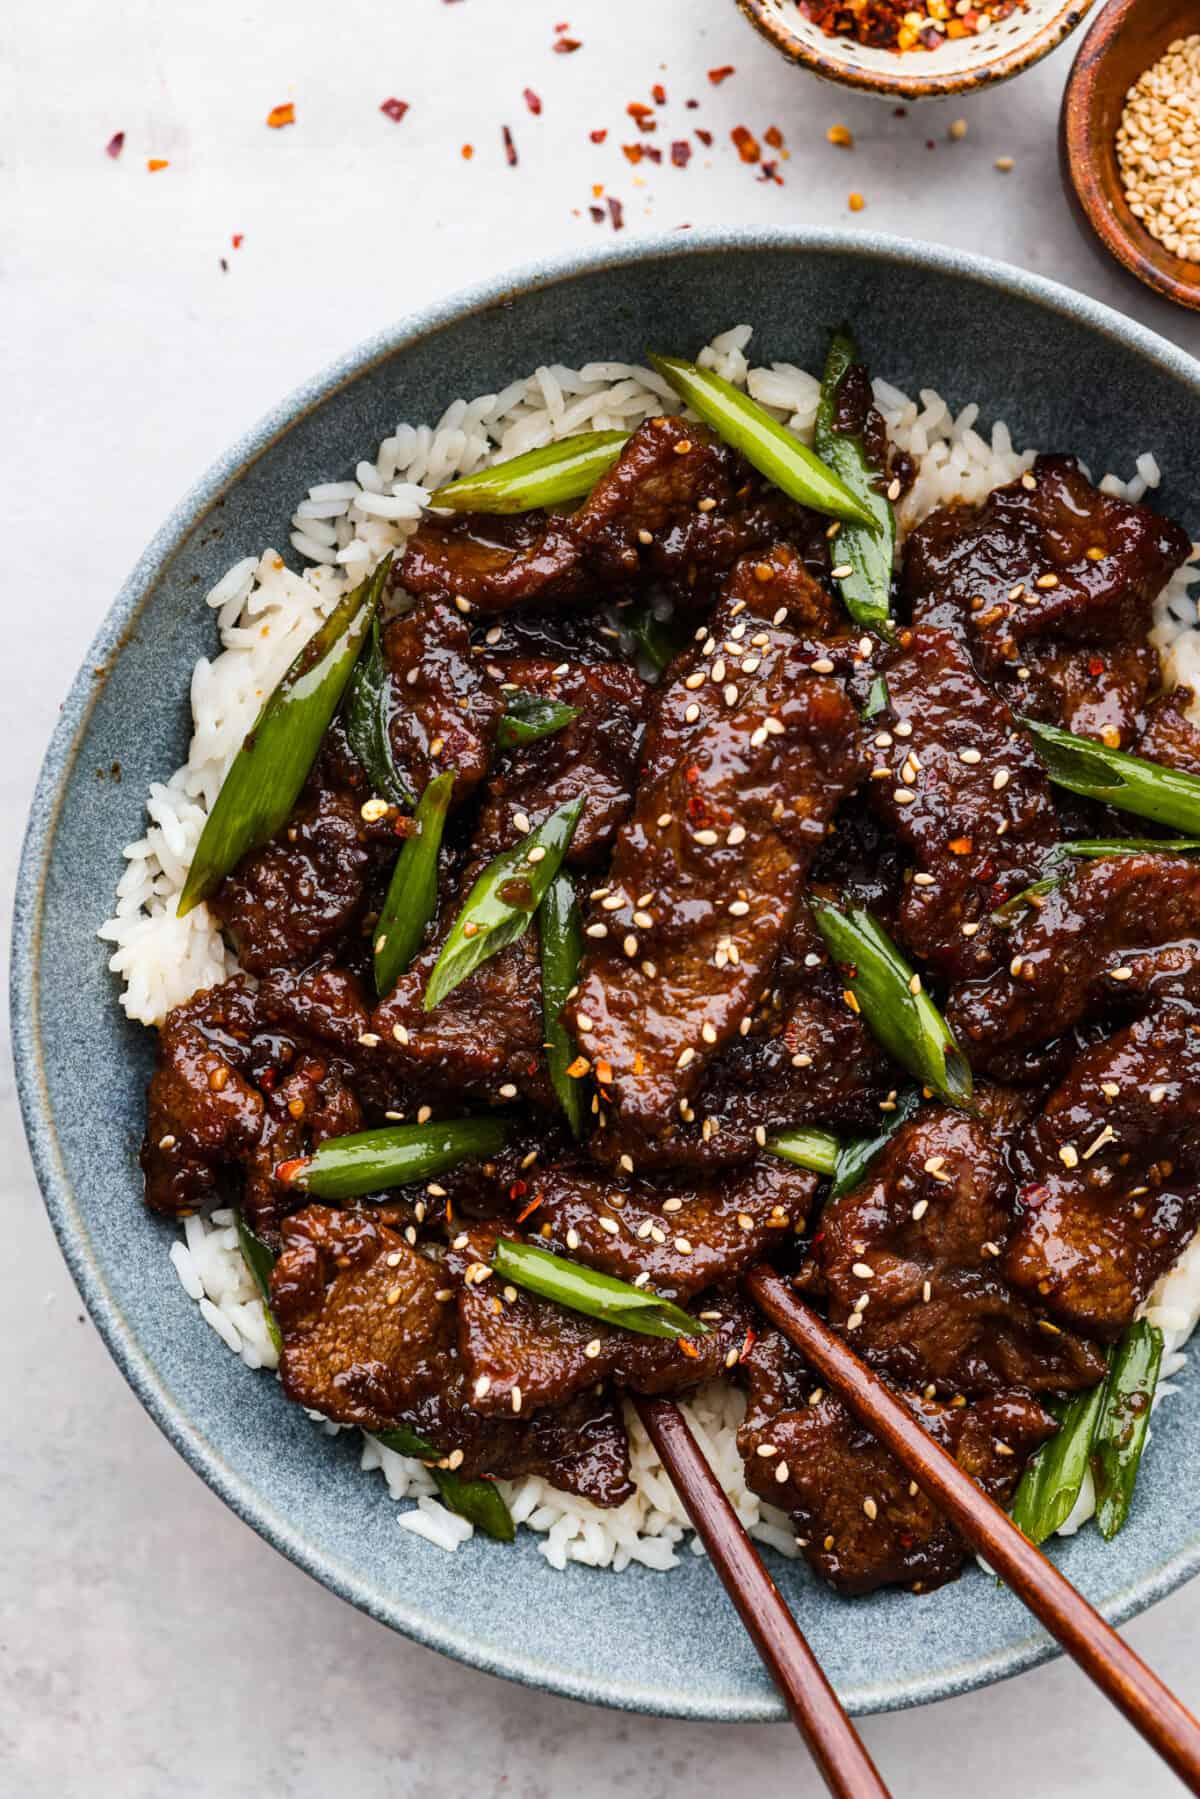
x=1128 y=36
x=961 y=66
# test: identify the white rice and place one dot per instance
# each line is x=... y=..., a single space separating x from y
x=265 y=611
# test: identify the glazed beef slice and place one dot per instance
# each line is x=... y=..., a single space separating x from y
x=744 y=764
x=445 y=705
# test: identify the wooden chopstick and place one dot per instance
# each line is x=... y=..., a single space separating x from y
x=1150 y=1706
x=816 y=1711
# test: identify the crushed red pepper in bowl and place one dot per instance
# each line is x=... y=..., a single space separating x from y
x=899 y=25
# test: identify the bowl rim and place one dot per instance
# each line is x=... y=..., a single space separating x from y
x=118 y=1333
x=1084 y=155
x=897 y=85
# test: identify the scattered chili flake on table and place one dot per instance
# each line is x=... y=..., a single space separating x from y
x=856 y=202
x=616 y=212
x=840 y=136
x=395 y=109
x=773 y=136
x=597 y=137
x=533 y=101
x=598 y=213
x=563 y=46
x=115 y=145
x=279 y=116
x=717 y=76
x=681 y=153
x=467 y=152
x=1005 y=164
x=238 y=239
x=706 y=137
x=770 y=172
x=658 y=94
x=155 y=163
x=632 y=152
x=746 y=143
x=642 y=115
x=510 y=149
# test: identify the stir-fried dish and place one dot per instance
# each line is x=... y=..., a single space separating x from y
x=648 y=876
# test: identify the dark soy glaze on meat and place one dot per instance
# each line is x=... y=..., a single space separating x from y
x=744 y=764
x=861 y=1521
x=649 y=517
x=920 y=1241
x=964 y=793
x=983 y=1260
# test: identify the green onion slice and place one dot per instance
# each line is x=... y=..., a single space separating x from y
x=412 y=891
x=479 y=1501
x=567 y=470
x=500 y=905
x=767 y=446
x=529 y=717
x=367 y=715
x=892 y=1000
x=1050 y=1484
x=372 y=1161
x=868 y=554
x=271 y=767
x=594 y=1294
x=561 y=933
x=1129 y=783
x=1121 y=1430
x=260 y=1259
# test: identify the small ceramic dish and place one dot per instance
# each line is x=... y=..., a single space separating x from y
x=1126 y=39
x=959 y=66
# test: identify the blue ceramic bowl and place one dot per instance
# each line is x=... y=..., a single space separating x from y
x=1066 y=374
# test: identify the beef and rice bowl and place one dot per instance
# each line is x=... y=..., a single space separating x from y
x=690 y=817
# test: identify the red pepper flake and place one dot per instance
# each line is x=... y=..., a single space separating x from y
x=659 y=94
x=632 y=152
x=395 y=109
x=115 y=145
x=597 y=137
x=290 y=1171
x=533 y=1205
x=959 y=846
x=717 y=76
x=681 y=153
x=533 y=101
x=706 y=137
x=653 y=154
x=774 y=137
x=689 y=1349
x=156 y=163
x=563 y=46
x=642 y=115
x=279 y=116
x=616 y=212
x=748 y=1345
x=691 y=105
x=1096 y=665
x=746 y=142
x=238 y=239
x=467 y=152
x=224 y=265
x=770 y=172
x=510 y=149
x=598 y=213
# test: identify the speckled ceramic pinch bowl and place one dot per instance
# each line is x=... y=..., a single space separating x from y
x=1066 y=374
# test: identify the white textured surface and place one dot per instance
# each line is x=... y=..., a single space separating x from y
x=150 y=1644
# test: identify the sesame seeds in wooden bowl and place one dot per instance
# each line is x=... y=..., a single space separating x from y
x=1130 y=133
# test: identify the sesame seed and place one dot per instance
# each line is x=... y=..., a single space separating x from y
x=374 y=810
x=695 y=680
x=683 y=1245
x=1000 y=780
x=630 y=945
x=863 y=1270
x=731 y=1358
x=730 y=694
x=904 y=728
x=521 y=823
x=482 y=1386
x=970 y=757
x=841 y=572
x=685 y=1057
x=1068 y=1155
x=708 y=1032
x=626 y=1163
x=1157 y=1095
x=735 y=835
x=919 y=1210
x=706 y=837
x=596 y=930
x=781 y=1473
x=537 y=854
x=609 y=1226
x=767 y=1450
x=516 y=1399
x=400 y=1033
x=893 y=492
x=1046 y=581
x=927 y=1291
x=777 y=618
x=369 y=1040
x=1121 y=974
x=745 y=1222
x=508 y=1091
x=903 y=797
x=871 y=1509
x=738 y=908
x=854 y=1320
x=612 y=902
x=922 y=880
x=572 y=1238
x=592 y=1349
x=822 y=666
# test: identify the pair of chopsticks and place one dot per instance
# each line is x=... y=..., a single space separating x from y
x=836 y=1747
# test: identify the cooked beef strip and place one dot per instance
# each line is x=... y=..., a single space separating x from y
x=368 y=1341
x=304 y=890
x=685 y=1235
x=595 y=755
x=1070 y=955
x=1169 y=735
x=446 y=706
x=1111 y=1172
x=231 y=1087
x=548 y=1354
x=1089 y=566
x=963 y=791
x=484 y=1037
x=862 y=1522
x=1095 y=692
x=649 y=517
x=727 y=816
x=918 y=1243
